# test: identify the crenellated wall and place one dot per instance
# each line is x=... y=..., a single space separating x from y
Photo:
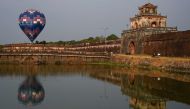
x=108 y=46
x=50 y=59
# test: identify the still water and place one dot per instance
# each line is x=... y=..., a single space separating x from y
x=91 y=87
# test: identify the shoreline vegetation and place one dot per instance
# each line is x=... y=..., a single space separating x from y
x=171 y=64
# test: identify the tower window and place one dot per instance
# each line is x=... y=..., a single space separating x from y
x=153 y=24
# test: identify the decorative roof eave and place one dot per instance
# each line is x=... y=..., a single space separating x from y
x=158 y=16
x=145 y=29
x=148 y=5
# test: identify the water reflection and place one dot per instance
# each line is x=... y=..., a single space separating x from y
x=149 y=91
x=31 y=92
x=137 y=103
x=143 y=89
x=155 y=92
x=140 y=97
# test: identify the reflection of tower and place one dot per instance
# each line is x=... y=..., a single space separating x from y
x=137 y=103
x=31 y=91
x=141 y=97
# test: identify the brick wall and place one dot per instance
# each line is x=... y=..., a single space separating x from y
x=168 y=44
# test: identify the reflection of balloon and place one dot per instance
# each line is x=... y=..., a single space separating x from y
x=32 y=23
x=31 y=91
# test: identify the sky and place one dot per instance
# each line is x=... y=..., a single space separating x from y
x=79 y=19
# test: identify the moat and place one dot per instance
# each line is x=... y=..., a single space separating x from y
x=91 y=86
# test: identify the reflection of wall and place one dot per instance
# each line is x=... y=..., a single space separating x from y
x=133 y=83
x=140 y=96
x=155 y=90
x=137 y=103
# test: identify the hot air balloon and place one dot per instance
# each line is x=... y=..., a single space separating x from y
x=32 y=23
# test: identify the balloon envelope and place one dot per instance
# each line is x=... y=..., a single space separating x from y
x=32 y=23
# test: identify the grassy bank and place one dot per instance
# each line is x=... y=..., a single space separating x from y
x=173 y=64
x=109 y=63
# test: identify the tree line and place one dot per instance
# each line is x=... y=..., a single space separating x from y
x=86 y=40
x=1 y=47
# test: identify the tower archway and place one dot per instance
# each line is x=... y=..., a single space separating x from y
x=131 y=48
x=136 y=25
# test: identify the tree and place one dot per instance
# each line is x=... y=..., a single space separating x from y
x=37 y=42
x=60 y=42
x=99 y=39
x=42 y=42
x=83 y=41
x=90 y=39
x=72 y=42
x=112 y=37
x=1 y=47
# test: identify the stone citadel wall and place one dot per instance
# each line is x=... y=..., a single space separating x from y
x=168 y=44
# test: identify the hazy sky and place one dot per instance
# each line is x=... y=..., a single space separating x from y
x=78 y=19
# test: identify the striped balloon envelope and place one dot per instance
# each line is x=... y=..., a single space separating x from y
x=32 y=22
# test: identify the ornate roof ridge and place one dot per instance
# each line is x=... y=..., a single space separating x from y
x=148 y=5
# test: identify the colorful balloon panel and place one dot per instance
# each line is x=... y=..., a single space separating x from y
x=32 y=23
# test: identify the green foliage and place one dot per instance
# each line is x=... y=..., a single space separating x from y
x=42 y=42
x=60 y=42
x=82 y=41
x=90 y=40
x=93 y=40
x=1 y=47
x=112 y=37
x=37 y=42
x=99 y=39
x=110 y=64
x=72 y=42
